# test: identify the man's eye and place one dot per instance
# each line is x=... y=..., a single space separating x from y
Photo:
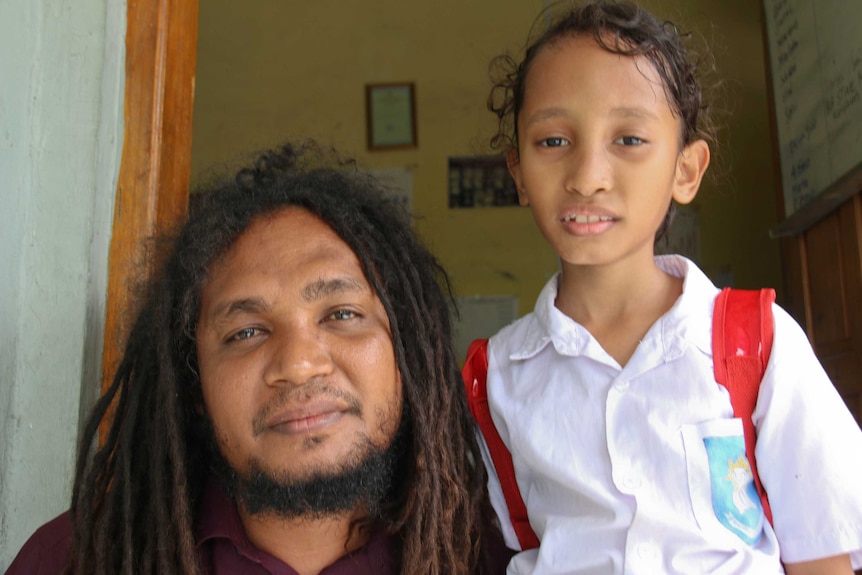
x=630 y=141
x=554 y=142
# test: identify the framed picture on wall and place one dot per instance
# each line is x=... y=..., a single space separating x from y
x=480 y=182
x=391 y=115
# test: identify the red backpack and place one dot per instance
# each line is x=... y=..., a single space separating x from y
x=742 y=329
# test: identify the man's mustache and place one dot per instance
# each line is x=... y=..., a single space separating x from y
x=298 y=395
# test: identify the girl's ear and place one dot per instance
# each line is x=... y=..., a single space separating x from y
x=690 y=167
x=513 y=162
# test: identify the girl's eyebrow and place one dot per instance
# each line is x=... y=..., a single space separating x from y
x=619 y=112
x=545 y=114
x=633 y=112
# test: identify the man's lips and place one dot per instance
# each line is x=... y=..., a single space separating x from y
x=300 y=425
x=306 y=417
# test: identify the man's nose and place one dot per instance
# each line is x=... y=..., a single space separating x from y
x=297 y=355
x=588 y=171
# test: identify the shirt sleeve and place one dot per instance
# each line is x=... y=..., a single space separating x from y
x=809 y=452
x=47 y=550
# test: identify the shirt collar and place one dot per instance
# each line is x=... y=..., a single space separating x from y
x=678 y=327
x=690 y=319
x=218 y=518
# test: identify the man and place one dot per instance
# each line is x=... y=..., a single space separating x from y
x=289 y=400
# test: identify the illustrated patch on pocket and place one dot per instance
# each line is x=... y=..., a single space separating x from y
x=734 y=496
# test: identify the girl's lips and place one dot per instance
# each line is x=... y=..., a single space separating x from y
x=588 y=229
x=588 y=219
x=585 y=222
x=586 y=212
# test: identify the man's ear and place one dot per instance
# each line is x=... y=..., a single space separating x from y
x=513 y=162
x=690 y=167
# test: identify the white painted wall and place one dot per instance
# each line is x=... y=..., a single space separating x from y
x=61 y=98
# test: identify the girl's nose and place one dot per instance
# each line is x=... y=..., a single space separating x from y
x=588 y=171
x=296 y=356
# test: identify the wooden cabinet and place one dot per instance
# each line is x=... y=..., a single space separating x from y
x=823 y=291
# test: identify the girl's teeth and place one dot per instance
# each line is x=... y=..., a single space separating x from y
x=579 y=219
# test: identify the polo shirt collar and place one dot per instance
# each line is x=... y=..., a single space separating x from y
x=218 y=518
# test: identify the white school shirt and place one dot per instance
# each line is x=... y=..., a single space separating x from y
x=622 y=470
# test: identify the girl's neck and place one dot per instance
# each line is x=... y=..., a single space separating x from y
x=617 y=304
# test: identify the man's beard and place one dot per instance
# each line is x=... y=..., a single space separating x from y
x=362 y=482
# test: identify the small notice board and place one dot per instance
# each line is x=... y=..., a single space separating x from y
x=814 y=50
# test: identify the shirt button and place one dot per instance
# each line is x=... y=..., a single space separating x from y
x=622 y=385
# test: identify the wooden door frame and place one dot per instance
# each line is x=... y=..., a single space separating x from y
x=152 y=187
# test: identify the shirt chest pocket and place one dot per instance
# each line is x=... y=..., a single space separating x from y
x=720 y=482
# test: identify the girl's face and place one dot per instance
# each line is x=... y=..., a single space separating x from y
x=599 y=155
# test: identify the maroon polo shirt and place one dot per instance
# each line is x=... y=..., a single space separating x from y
x=222 y=547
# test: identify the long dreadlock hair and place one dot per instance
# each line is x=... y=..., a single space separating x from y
x=135 y=497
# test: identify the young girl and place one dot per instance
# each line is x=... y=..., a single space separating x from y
x=605 y=394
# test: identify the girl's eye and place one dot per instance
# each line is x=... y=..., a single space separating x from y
x=554 y=142
x=245 y=333
x=342 y=314
x=629 y=141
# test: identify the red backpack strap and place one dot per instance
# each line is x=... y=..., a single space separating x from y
x=475 y=373
x=742 y=330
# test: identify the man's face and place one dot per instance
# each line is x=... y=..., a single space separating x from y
x=296 y=360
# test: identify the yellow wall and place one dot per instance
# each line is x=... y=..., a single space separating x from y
x=270 y=70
